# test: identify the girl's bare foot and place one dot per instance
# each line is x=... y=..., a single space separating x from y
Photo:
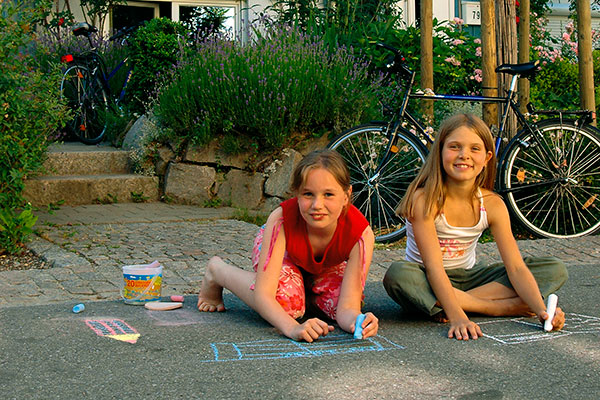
x=440 y=317
x=210 y=297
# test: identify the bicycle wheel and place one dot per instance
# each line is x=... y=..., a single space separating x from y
x=87 y=98
x=551 y=181
x=377 y=193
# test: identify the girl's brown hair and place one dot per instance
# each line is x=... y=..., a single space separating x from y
x=329 y=160
x=432 y=176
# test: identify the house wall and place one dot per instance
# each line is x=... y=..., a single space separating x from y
x=559 y=17
x=443 y=10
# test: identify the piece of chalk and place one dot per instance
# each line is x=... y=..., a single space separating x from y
x=550 y=309
x=177 y=298
x=162 y=305
x=358 y=326
x=78 y=308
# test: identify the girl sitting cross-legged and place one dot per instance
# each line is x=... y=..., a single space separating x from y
x=447 y=207
x=315 y=250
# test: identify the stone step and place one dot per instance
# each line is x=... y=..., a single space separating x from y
x=90 y=189
x=80 y=159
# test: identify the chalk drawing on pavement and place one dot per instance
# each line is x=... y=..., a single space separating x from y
x=113 y=328
x=287 y=348
x=527 y=330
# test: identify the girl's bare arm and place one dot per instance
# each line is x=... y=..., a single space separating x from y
x=351 y=292
x=519 y=275
x=265 y=289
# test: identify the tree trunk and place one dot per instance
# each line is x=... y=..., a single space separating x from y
x=426 y=26
x=586 y=67
x=488 y=60
x=524 y=23
x=506 y=39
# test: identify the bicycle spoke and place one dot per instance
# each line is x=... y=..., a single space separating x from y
x=554 y=197
x=378 y=187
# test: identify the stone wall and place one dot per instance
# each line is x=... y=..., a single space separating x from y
x=205 y=175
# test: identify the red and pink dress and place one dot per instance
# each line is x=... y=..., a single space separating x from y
x=300 y=268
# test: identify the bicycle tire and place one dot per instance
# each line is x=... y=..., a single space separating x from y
x=87 y=98
x=377 y=198
x=559 y=197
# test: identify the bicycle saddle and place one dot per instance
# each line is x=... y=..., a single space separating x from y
x=83 y=28
x=519 y=69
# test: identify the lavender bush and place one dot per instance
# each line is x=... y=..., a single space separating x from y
x=284 y=83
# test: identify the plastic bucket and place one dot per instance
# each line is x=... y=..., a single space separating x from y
x=141 y=283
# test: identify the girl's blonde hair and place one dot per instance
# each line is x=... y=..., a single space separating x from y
x=330 y=160
x=432 y=176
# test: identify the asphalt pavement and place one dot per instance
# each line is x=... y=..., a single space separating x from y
x=115 y=350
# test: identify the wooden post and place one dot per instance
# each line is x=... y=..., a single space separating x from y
x=586 y=67
x=506 y=42
x=488 y=60
x=524 y=23
x=427 y=54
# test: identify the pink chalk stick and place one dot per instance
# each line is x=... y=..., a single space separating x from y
x=177 y=298
x=154 y=264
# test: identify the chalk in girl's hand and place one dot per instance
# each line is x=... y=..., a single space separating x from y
x=550 y=309
x=358 y=326
x=177 y=298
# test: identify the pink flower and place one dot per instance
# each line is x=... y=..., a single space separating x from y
x=457 y=42
x=566 y=37
x=478 y=51
x=458 y=21
x=453 y=61
x=477 y=41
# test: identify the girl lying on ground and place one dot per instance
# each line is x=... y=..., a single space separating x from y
x=315 y=250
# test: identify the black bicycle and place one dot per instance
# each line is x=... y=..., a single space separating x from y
x=85 y=85
x=548 y=173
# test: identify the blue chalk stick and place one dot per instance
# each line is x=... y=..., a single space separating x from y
x=358 y=326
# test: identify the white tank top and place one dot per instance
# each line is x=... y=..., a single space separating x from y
x=456 y=242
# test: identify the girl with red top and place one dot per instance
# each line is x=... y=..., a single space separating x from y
x=317 y=248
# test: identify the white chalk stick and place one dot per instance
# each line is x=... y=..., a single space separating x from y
x=162 y=305
x=550 y=309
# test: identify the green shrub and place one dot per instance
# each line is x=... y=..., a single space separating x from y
x=284 y=83
x=31 y=111
x=154 y=48
x=556 y=85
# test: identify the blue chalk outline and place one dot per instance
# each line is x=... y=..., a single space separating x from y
x=286 y=348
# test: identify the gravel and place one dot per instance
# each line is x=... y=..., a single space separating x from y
x=26 y=260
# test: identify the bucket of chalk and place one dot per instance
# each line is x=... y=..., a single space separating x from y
x=141 y=283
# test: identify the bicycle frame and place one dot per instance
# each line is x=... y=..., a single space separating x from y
x=507 y=102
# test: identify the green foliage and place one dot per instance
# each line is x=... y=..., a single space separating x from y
x=96 y=11
x=154 y=48
x=15 y=228
x=242 y=214
x=138 y=197
x=557 y=84
x=30 y=111
x=283 y=83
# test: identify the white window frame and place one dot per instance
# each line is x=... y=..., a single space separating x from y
x=237 y=27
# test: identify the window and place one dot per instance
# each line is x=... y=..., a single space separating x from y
x=133 y=13
x=201 y=15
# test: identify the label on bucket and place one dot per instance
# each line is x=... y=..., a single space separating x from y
x=141 y=289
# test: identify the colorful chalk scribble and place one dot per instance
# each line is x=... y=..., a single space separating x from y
x=285 y=348
x=527 y=330
x=113 y=328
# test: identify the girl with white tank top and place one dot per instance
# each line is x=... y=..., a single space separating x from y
x=445 y=216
